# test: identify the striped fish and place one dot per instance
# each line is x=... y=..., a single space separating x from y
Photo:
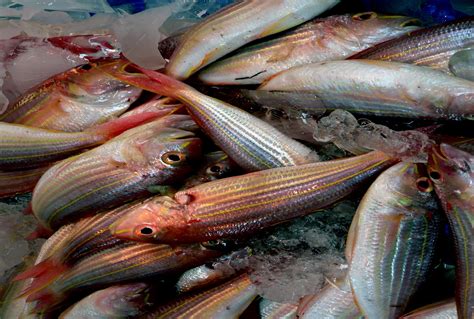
x=249 y=141
x=394 y=244
x=237 y=25
x=452 y=172
x=226 y=301
x=277 y=310
x=440 y=310
x=18 y=182
x=242 y=205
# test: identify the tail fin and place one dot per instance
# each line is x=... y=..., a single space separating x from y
x=120 y=125
x=146 y=79
x=36 y=270
x=40 y=232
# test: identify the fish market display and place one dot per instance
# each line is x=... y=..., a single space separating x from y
x=452 y=173
x=433 y=47
x=395 y=236
x=242 y=205
x=379 y=88
x=326 y=39
x=235 y=26
x=72 y=101
x=258 y=162
x=159 y=152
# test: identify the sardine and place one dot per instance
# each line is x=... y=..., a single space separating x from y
x=379 y=88
x=23 y=147
x=335 y=301
x=277 y=310
x=226 y=301
x=433 y=46
x=440 y=310
x=237 y=25
x=120 y=170
x=19 y=182
x=250 y=142
x=73 y=100
x=326 y=39
x=452 y=172
x=242 y=205
x=394 y=244
x=123 y=301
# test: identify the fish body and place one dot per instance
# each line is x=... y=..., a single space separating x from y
x=441 y=310
x=452 y=173
x=72 y=101
x=111 y=303
x=276 y=310
x=237 y=25
x=120 y=170
x=326 y=39
x=394 y=243
x=242 y=205
x=249 y=141
x=225 y=301
x=433 y=46
x=378 y=88
x=19 y=182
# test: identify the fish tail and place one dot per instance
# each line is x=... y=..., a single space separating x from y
x=39 y=232
x=120 y=125
x=37 y=270
x=28 y=209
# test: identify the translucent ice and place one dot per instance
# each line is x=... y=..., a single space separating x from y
x=361 y=136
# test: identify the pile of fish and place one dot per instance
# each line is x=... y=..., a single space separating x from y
x=148 y=189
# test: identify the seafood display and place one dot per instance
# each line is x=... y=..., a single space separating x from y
x=292 y=159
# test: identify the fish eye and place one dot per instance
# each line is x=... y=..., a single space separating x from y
x=85 y=67
x=435 y=175
x=364 y=16
x=173 y=158
x=423 y=184
x=214 y=169
x=146 y=231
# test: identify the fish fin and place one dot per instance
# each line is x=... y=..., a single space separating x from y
x=36 y=270
x=45 y=275
x=28 y=209
x=43 y=300
x=39 y=232
x=120 y=125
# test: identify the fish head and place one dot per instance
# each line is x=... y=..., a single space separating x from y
x=376 y=24
x=451 y=170
x=217 y=165
x=150 y=222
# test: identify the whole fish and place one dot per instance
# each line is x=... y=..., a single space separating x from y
x=23 y=147
x=237 y=25
x=250 y=142
x=242 y=205
x=217 y=165
x=276 y=310
x=440 y=310
x=433 y=46
x=326 y=39
x=159 y=152
x=19 y=182
x=379 y=88
x=335 y=301
x=452 y=172
x=396 y=232
x=123 y=263
x=122 y=301
x=73 y=100
x=225 y=301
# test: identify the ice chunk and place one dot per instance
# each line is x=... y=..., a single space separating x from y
x=358 y=137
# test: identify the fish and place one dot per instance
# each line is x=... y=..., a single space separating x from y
x=276 y=310
x=461 y=64
x=121 y=301
x=397 y=226
x=452 y=172
x=432 y=46
x=379 y=88
x=73 y=101
x=122 y=263
x=235 y=26
x=207 y=275
x=217 y=165
x=325 y=39
x=334 y=301
x=159 y=152
x=24 y=147
x=19 y=182
x=445 y=309
x=252 y=143
x=242 y=205
x=228 y=300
